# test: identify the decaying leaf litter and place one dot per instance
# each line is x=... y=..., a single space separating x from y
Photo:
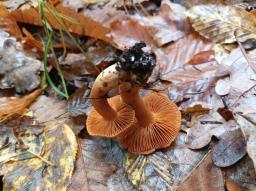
x=205 y=63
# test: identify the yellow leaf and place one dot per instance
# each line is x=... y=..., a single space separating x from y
x=220 y=23
x=37 y=173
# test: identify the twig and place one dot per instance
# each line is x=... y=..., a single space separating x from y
x=44 y=160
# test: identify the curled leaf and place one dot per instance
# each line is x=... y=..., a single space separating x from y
x=10 y=105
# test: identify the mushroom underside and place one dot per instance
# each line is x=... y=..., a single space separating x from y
x=158 y=134
x=98 y=126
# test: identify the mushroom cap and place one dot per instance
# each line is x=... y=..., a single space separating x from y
x=160 y=133
x=98 y=126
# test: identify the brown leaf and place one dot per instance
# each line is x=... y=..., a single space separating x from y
x=168 y=25
x=205 y=177
x=127 y=32
x=232 y=186
x=202 y=57
x=79 y=103
x=247 y=123
x=79 y=178
x=87 y=25
x=8 y=23
x=179 y=53
x=47 y=110
x=99 y=161
x=206 y=127
x=230 y=148
x=30 y=43
x=197 y=109
x=10 y=105
x=225 y=113
x=219 y=22
x=242 y=173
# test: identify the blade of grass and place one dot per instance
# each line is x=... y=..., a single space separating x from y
x=49 y=32
x=63 y=27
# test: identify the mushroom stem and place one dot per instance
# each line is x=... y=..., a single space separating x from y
x=132 y=98
x=106 y=81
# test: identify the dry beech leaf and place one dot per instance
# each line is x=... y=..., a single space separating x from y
x=183 y=49
x=30 y=43
x=200 y=135
x=206 y=176
x=242 y=173
x=52 y=171
x=100 y=160
x=8 y=23
x=87 y=25
x=79 y=103
x=79 y=180
x=247 y=124
x=125 y=33
x=168 y=25
x=202 y=57
x=18 y=69
x=230 y=148
x=10 y=105
x=219 y=23
x=232 y=186
x=45 y=113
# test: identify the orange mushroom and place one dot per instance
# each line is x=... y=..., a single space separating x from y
x=109 y=116
x=158 y=122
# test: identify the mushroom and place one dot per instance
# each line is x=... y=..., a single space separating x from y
x=158 y=121
x=109 y=116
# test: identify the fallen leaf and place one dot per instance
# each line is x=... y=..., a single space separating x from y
x=220 y=22
x=11 y=150
x=202 y=57
x=133 y=31
x=59 y=150
x=79 y=180
x=247 y=124
x=79 y=103
x=8 y=23
x=183 y=49
x=10 y=105
x=223 y=87
x=163 y=169
x=232 y=186
x=206 y=176
x=83 y=25
x=241 y=173
x=197 y=109
x=168 y=25
x=18 y=69
x=45 y=113
x=100 y=158
x=30 y=43
x=230 y=148
x=225 y=113
x=207 y=126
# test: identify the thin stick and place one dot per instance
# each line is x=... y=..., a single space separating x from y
x=44 y=160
